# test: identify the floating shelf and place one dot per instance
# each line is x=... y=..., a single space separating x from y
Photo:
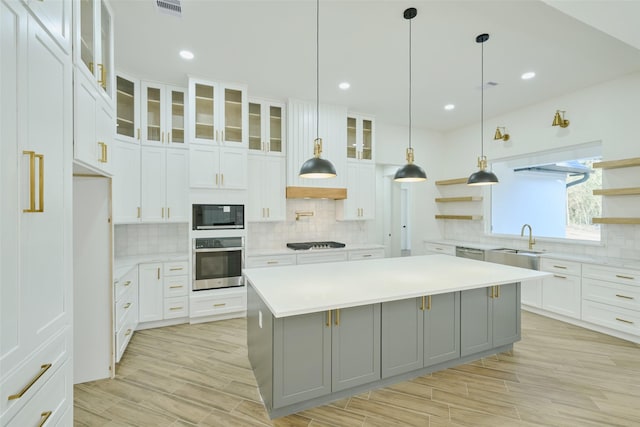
x=632 y=191
x=616 y=220
x=452 y=181
x=460 y=217
x=458 y=199
x=614 y=164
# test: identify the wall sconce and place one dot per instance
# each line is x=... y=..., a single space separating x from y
x=500 y=135
x=559 y=120
x=300 y=214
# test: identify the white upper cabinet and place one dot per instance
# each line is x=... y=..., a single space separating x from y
x=360 y=138
x=218 y=113
x=163 y=114
x=266 y=188
x=164 y=185
x=267 y=127
x=126 y=183
x=218 y=167
x=127 y=108
x=93 y=52
x=360 y=203
x=55 y=16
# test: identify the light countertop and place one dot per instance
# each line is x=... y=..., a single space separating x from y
x=310 y=288
x=122 y=266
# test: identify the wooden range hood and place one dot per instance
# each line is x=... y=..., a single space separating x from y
x=316 y=193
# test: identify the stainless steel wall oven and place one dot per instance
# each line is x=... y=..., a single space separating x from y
x=217 y=262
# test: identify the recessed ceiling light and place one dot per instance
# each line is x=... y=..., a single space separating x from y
x=449 y=107
x=344 y=85
x=186 y=54
x=528 y=75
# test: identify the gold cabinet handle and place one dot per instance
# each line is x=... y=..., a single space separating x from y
x=272 y=262
x=168 y=212
x=497 y=291
x=175 y=308
x=32 y=182
x=624 y=321
x=102 y=79
x=162 y=137
x=422 y=305
x=127 y=283
x=175 y=269
x=44 y=368
x=491 y=290
x=138 y=134
x=216 y=179
x=559 y=276
x=168 y=137
x=127 y=305
x=620 y=276
x=217 y=136
x=126 y=334
x=158 y=273
x=222 y=304
x=560 y=266
x=139 y=211
x=328 y=319
x=175 y=287
x=222 y=179
x=222 y=134
x=367 y=256
x=45 y=415
x=624 y=296
x=268 y=213
x=106 y=153
x=337 y=317
x=429 y=302
x=103 y=155
x=263 y=213
x=162 y=209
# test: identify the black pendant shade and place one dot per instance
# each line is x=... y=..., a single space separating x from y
x=482 y=177
x=410 y=173
x=317 y=167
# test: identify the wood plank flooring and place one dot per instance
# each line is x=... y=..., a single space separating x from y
x=199 y=375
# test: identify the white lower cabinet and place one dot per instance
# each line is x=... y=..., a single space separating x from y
x=125 y=310
x=363 y=254
x=320 y=257
x=439 y=248
x=163 y=291
x=531 y=293
x=151 y=292
x=561 y=293
x=269 y=260
x=229 y=302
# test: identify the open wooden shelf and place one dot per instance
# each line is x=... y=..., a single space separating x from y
x=460 y=217
x=458 y=199
x=616 y=220
x=452 y=181
x=631 y=191
x=614 y=164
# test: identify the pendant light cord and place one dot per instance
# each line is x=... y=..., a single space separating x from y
x=317 y=68
x=482 y=99
x=410 y=83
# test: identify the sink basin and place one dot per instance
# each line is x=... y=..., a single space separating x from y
x=522 y=258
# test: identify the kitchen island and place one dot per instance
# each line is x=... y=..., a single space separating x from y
x=317 y=333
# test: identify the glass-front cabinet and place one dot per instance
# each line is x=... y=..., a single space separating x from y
x=94 y=38
x=266 y=126
x=127 y=109
x=360 y=138
x=163 y=114
x=218 y=113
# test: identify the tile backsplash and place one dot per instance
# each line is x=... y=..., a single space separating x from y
x=319 y=227
x=148 y=239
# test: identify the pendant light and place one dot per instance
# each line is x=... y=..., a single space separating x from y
x=410 y=172
x=482 y=177
x=317 y=167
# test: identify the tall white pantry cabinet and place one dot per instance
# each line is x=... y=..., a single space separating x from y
x=35 y=214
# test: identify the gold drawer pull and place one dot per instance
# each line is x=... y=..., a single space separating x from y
x=44 y=417
x=127 y=305
x=623 y=296
x=175 y=269
x=175 y=308
x=220 y=304
x=367 y=256
x=127 y=283
x=126 y=334
x=43 y=369
x=560 y=266
x=624 y=321
x=620 y=276
x=175 y=287
x=272 y=262
x=559 y=276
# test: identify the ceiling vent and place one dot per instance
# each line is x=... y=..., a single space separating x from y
x=170 y=7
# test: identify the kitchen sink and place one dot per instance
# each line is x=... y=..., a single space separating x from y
x=523 y=258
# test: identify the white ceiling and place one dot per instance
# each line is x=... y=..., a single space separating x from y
x=270 y=45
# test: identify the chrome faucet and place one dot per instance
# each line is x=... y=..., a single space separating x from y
x=532 y=241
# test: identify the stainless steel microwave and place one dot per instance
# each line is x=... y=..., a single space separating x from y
x=218 y=217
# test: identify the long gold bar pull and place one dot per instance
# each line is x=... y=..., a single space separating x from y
x=216 y=179
x=337 y=317
x=41 y=182
x=106 y=153
x=422 y=305
x=158 y=273
x=328 y=318
x=623 y=296
x=139 y=211
x=492 y=292
x=138 y=134
x=429 y=302
x=162 y=214
x=32 y=181
x=168 y=212
x=43 y=369
x=497 y=291
x=44 y=417
x=222 y=179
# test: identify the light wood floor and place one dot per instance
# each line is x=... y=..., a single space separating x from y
x=558 y=375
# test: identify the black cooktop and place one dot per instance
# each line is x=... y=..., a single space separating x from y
x=314 y=245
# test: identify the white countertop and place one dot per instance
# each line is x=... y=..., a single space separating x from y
x=474 y=245
x=122 y=266
x=310 y=288
x=287 y=251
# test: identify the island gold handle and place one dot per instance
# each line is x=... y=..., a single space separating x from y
x=429 y=302
x=44 y=368
x=138 y=134
x=422 y=305
x=337 y=317
x=175 y=269
x=216 y=179
x=328 y=319
x=158 y=273
x=492 y=290
x=272 y=262
x=44 y=417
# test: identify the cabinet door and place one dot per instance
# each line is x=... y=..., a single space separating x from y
x=151 y=301
x=126 y=183
x=442 y=328
x=402 y=336
x=506 y=314
x=255 y=209
x=475 y=321
x=367 y=190
x=275 y=128
x=233 y=116
x=127 y=109
x=561 y=294
x=85 y=39
x=256 y=127
x=233 y=168
x=273 y=188
x=366 y=150
x=301 y=358
x=152 y=180
x=355 y=346
x=177 y=189
x=176 y=116
x=105 y=134
x=153 y=113
x=352 y=138
x=531 y=292
x=203 y=170
x=86 y=101
x=351 y=204
x=56 y=17
x=202 y=111
x=105 y=68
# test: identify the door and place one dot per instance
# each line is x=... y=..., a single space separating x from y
x=177 y=185
x=273 y=187
x=153 y=113
x=151 y=290
x=203 y=170
x=506 y=314
x=355 y=346
x=126 y=183
x=301 y=358
x=233 y=168
x=442 y=328
x=402 y=336
x=175 y=112
x=476 y=332
x=152 y=180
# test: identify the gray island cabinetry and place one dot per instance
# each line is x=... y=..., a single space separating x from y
x=318 y=333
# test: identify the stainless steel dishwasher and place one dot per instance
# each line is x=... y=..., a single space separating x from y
x=471 y=253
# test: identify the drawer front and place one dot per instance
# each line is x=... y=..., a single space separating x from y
x=218 y=305
x=128 y=281
x=124 y=334
x=439 y=249
x=176 y=286
x=36 y=371
x=366 y=254
x=619 y=295
x=270 y=261
x=560 y=266
x=124 y=307
x=562 y=294
x=316 y=258
x=176 y=307
x=50 y=403
x=177 y=268
x=616 y=318
x=612 y=274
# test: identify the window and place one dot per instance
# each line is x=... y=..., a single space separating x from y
x=552 y=191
